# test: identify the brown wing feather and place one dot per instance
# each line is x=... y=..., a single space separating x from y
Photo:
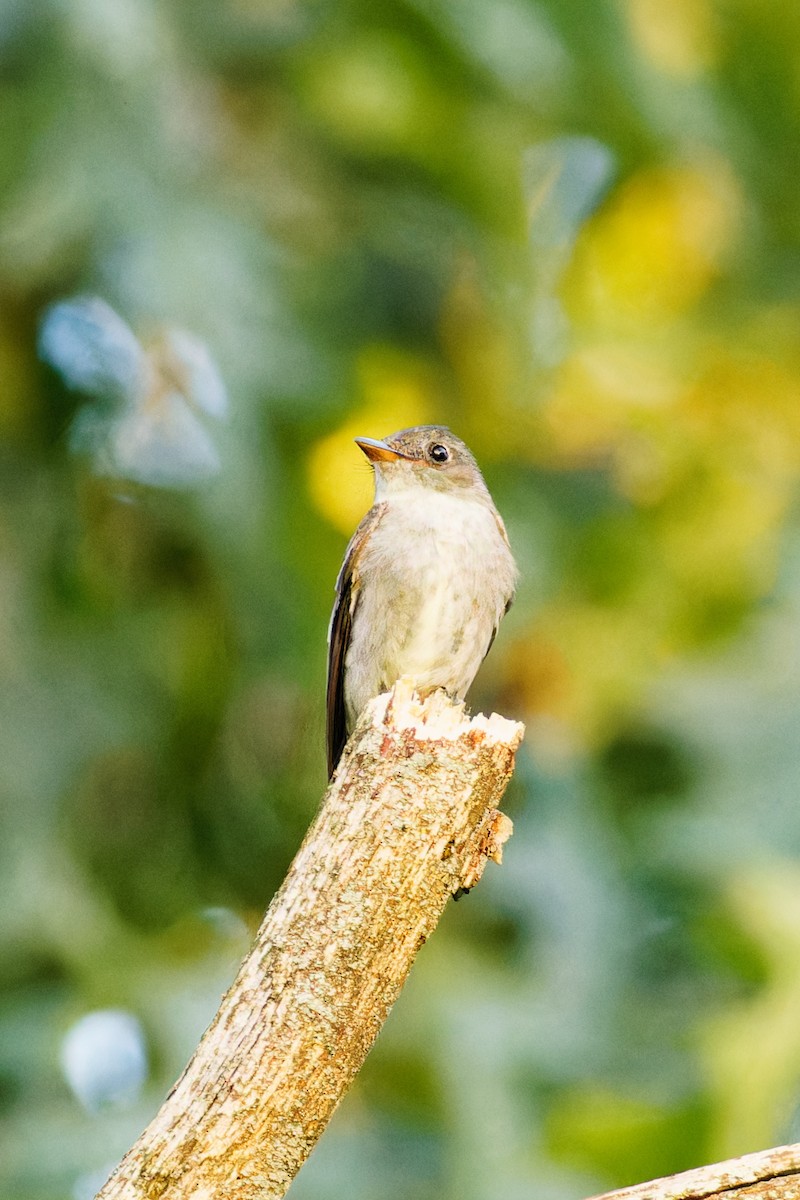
x=510 y=600
x=339 y=636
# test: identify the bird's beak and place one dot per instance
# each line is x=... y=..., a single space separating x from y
x=378 y=451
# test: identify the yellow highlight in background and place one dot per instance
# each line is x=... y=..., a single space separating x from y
x=654 y=250
x=397 y=391
x=680 y=38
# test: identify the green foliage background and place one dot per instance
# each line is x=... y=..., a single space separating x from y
x=571 y=232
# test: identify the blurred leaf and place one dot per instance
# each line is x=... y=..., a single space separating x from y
x=92 y=348
x=564 y=181
x=152 y=433
x=623 y=1140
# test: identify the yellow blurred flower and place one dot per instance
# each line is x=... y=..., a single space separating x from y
x=678 y=38
x=748 y=406
x=655 y=249
x=585 y=665
x=602 y=393
x=720 y=535
x=397 y=391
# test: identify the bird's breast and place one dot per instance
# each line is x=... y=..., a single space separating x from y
x=434 y=582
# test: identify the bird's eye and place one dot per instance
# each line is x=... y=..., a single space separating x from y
x=439 y=453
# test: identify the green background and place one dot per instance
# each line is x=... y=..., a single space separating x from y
x=572 y=233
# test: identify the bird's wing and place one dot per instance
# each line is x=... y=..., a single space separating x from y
x=502 y=529
x=509 y=602
x=347 y=588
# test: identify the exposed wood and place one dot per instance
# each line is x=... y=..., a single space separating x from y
x=767 y=1175
x=409 y=819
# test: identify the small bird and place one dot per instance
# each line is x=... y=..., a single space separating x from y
x=425 y=582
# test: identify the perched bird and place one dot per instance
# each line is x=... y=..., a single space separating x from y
x=427 y=577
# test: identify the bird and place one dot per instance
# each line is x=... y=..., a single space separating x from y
x=426 y=579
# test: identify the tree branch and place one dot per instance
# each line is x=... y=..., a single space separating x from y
x=408 y=820
x=767 y=1175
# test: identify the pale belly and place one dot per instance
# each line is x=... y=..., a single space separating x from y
x=433 y=589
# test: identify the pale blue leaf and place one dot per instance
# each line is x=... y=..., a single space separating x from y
x=565 y=179
x=204 y=386
x=104 y=1059
x=91 y=347
x=161 y=443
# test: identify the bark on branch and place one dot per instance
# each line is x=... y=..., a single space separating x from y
x=408 y=820
x=767 y=1175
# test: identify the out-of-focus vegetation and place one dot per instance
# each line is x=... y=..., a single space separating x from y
x=569 y=231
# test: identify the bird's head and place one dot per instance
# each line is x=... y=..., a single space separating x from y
x=426 y=456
